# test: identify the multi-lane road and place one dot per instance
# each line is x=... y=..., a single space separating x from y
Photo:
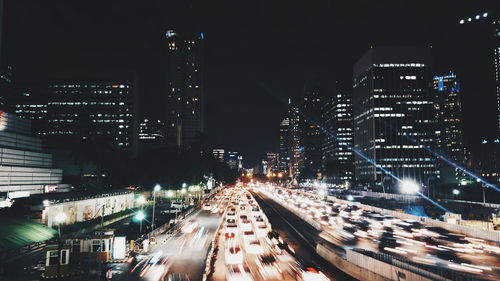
x=349 y=226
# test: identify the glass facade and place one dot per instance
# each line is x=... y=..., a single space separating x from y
x=394 y=116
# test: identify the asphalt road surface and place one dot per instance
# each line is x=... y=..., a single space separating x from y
x=300 y=235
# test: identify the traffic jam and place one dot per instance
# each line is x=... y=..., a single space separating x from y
x=248 y=248
x=350 y=226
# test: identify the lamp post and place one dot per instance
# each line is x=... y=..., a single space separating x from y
x=59 y=219
x=155 y=189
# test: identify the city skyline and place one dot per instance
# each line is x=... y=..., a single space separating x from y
x=300 y=51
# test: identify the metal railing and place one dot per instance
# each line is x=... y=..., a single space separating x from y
x=418 y=268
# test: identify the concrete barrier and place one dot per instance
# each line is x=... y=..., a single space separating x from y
x=363 y=267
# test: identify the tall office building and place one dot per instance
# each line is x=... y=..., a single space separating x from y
x=102 y=111
x=312 y=135
x=284 y=154
x=24 y=168
x=479 y=41
x=449 y=133
x=394 y=116
x=272 y=161
x=185 y=105
x=337 y=155
x=234 y=160
x=218 y=154
x=291 y=149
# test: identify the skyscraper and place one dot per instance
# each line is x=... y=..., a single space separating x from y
x=479 y=41
x=103 y=111
x=234 y=160
x=291 y=149
x=312 y=136
x=272 y=161
x=337 y=156
x=449 y=133
x=393 y=116
x=284 y=154
x=185 y=106
x=218 y=153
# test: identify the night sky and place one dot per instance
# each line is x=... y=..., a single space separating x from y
x=258 y=53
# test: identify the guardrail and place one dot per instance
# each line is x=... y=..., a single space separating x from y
x=362 y=258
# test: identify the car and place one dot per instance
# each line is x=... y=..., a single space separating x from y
x=189 y=227
x=248 y=235
x=214 y=210
x=310 y=274
x=233 y=255
x=176 y=204
x=238 y=272
x=261 y=231
x=231 y=228
x=177 y=277
x=229 y=235
x=268 y=267
x=246 y=225
x=231 y=215
x=259 y=221
x=254 y=247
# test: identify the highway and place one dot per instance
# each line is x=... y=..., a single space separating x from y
x=185 y=253
x=300 y=235
x=351 y=227
x=250 y=247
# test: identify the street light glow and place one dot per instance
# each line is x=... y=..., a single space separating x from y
x=456 y=191
x=409 y=186
x=141 y=200
x=140 y=216
x=157 y=188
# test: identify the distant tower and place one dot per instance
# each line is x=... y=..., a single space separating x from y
x=312 y=135
x=337 y=156
x=449 y=133
x=479 y=40
x=185 y=105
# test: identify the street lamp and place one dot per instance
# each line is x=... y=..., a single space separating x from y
x=140 y=216
x=456 y=192
x=409 y=186
x=155 y=189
